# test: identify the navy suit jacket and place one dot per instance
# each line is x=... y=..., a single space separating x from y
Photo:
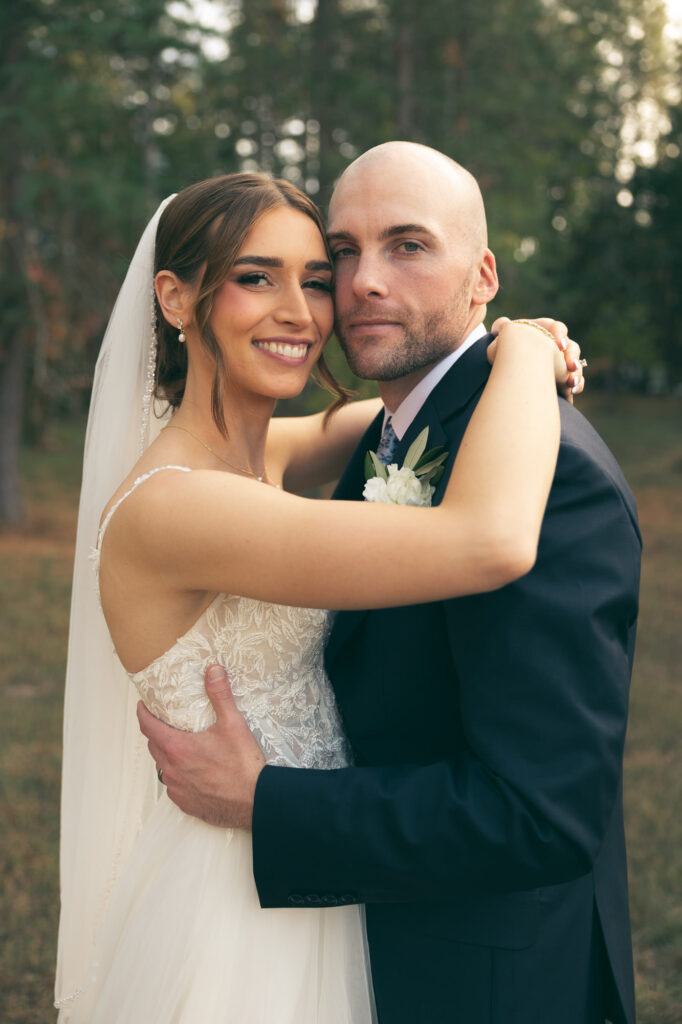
x=482 y=820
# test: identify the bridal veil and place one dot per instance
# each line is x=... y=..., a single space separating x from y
x=108 y=785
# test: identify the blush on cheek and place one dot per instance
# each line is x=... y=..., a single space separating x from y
x=236 y=311
x=230 y=298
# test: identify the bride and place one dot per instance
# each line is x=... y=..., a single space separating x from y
x=180 y=514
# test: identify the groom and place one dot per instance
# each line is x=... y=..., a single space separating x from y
x=482 y=823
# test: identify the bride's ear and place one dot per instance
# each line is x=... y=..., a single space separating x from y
x=172 y=296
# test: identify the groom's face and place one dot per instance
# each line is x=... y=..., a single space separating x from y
x=408 y=273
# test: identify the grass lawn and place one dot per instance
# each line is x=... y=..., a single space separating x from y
x=35 y=569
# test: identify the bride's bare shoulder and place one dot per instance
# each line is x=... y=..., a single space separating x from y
x=135 y=511
x=167 y=452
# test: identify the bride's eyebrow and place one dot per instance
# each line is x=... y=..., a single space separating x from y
x=275 y=261
x=260 y=261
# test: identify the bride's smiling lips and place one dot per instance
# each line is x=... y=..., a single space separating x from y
x=284 y=349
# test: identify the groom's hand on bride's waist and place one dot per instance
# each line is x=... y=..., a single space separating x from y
x=211 y=775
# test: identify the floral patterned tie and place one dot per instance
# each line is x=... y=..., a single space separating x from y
x=387 y=444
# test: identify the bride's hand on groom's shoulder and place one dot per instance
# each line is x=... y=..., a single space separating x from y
x=212 y=774
x=570 y=380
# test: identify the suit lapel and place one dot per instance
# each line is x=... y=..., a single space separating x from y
x=449 y=397
x=467 y=376
x=352 y=482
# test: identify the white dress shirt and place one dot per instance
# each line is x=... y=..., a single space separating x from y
x=410 y=406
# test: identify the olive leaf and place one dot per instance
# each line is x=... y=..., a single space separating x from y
x=379 y=468
x=431 y=454
x=425 y=469
x=416 y=449
x=369 y=467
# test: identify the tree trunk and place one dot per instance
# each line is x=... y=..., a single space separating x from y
x=12 y=285
x=323 y=93
x=11 y=406
x=405 y=71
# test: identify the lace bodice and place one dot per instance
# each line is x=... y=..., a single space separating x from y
x=273 y=655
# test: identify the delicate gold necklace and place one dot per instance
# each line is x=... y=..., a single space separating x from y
x=247 y=472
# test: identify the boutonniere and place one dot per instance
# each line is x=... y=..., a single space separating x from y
x=413 y=483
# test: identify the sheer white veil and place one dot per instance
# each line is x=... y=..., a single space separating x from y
x=108 y=784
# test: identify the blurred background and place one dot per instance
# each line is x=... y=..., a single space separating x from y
x=569 y=115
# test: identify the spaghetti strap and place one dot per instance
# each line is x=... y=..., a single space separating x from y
x=135 y=485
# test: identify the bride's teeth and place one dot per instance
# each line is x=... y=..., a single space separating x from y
x=279 y=348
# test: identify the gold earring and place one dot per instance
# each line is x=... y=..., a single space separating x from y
x=182 y=337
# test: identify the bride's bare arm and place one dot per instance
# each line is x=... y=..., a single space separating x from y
x=312 y=452
x=208 y=531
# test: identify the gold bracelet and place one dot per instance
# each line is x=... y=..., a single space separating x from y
x=532 y=323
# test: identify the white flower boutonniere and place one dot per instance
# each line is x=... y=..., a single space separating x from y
x=413 y=483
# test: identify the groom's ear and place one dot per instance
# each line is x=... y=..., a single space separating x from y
x=172 y=295
x=486 y=283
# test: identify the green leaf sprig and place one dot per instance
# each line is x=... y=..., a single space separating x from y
x=427 y=465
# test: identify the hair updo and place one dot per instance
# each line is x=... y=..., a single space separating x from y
x=199 y=236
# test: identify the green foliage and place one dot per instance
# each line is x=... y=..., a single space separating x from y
x=624 y=262
x=104 y=109
x=95 y=104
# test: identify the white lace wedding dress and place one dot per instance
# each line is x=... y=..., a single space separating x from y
x=184 y=939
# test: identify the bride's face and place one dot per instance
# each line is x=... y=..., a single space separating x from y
x=274 y=313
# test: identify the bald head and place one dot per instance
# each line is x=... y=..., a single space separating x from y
x=414 y=169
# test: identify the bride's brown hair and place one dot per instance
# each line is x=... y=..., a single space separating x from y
x=205 y=226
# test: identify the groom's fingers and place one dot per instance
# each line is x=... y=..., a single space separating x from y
x=152 y=728
x=218 y=689
x=157 y=734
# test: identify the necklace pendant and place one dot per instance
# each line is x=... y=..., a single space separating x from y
x=259 y=479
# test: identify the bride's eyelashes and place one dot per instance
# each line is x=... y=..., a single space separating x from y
x=258 y=279
x=318 y=285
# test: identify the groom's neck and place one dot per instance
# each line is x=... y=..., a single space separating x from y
x=394 y=392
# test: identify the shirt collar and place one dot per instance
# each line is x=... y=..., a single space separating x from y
x=406 y=412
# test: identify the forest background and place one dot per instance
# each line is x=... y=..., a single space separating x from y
x=569 y=115
x=567 y=112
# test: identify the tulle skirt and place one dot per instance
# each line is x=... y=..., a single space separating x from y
x=185 y=941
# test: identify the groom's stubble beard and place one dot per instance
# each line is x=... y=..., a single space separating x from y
x=426 y=338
